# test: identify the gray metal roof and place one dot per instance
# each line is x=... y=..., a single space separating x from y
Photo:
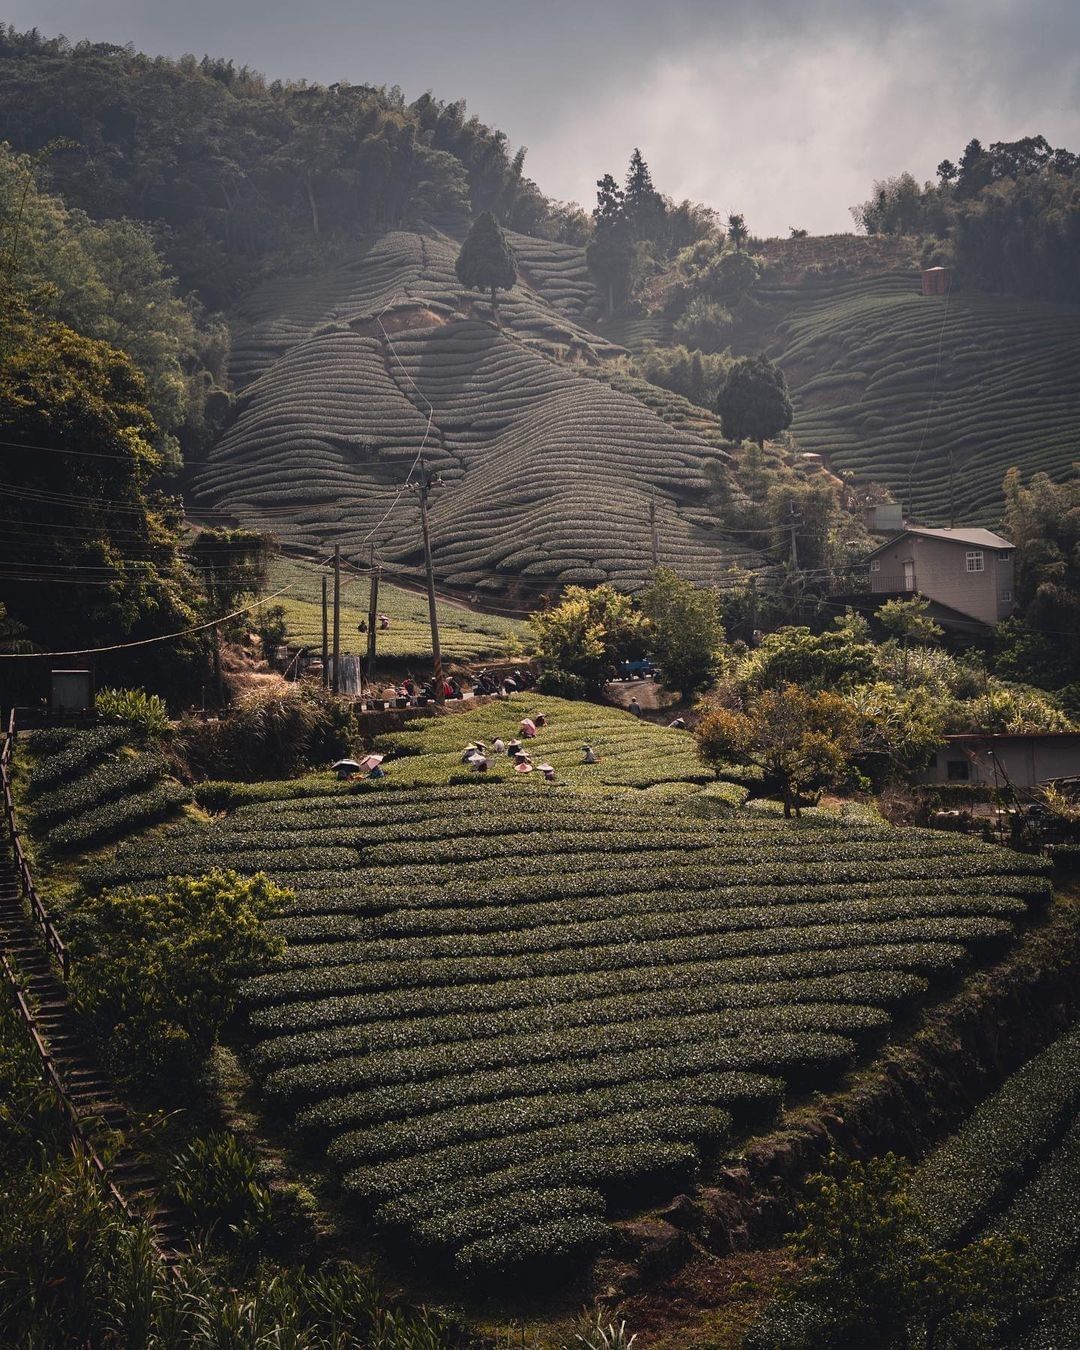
x=970 y=537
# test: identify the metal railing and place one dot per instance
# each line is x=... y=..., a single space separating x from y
x=77 y=1123
x=38 y=912
x=893 y=581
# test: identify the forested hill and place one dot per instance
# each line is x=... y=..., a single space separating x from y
x=239 y=169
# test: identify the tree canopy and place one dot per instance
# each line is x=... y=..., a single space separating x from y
x=754 y=403
x=486 y=261
x=240 y=169
x=686 y=630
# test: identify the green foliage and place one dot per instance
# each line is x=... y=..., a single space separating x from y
x=108 y=820
x=687 y=631
x=1041 y=642
x=907 y=620
x=64 y=756
x=280 y=167
x=271 y=732
x=754 y=404
x=872 y=1280
x=167 y=965
x=232 y=565
x=1009 y=209
x=838 y=658
x=695 y=375
x=737 y=231
x=562 y=684
x=272 y=627
x=804 y=741
x=486 y=261
x=216 y=1180
x=106 y=280
x=588 y=632
x=85 y=401
x=705 y=324
x=135 y=708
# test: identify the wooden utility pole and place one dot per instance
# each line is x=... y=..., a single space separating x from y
x=795 y=522
x=423 y=486
x=372 y=617
x=335 y=685
x=325 y=638
x=753 y=604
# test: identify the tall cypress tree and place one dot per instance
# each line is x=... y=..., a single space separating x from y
x=610 y=254
x=486 y=261
x=644 y=207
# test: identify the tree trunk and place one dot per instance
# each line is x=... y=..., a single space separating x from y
x=495 y=308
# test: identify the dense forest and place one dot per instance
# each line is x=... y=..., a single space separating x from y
x=234 y=169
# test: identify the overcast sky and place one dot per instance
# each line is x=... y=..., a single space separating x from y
x=786 y=110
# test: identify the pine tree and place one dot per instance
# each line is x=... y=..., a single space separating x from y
x=610 y=254
x=754 y=403
x=486 y=261
x=610 y=209
x=643 y=205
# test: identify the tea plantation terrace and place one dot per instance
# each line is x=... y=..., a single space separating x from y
x=510 y=1009
x=871 y=393
x=1014 y=1170
x=547 y=475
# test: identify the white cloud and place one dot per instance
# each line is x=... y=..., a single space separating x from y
x=793 y=130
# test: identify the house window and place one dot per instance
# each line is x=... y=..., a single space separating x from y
x=1006 y=597
x=1004 y=554
x=959 y=770
x=975 y=560
x=875 y=566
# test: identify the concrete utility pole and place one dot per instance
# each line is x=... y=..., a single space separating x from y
x=372 y=617
x=654 y=532
x=425 y=482
x=336 y=682
x=325 y=638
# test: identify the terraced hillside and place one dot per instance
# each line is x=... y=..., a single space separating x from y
x=464 y=635
x=1014 y=1170
x=503 y=1017
x=547 y=476
x=862 y=359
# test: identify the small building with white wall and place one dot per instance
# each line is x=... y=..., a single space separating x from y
x=1002 y=761
x=967 y=571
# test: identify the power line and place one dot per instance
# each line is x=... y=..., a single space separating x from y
x=162 y=637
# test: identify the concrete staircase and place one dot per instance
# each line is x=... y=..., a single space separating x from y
x=92 y=1100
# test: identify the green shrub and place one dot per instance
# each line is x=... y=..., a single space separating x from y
x=114 y=778
x=114 y=819
x=562 y=684
x=216 y=1180
x=168 y=965
x=135 y=708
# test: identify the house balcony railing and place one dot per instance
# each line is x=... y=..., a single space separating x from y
x=891 y=582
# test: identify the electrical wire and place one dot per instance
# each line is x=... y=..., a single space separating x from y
x=161 y=637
